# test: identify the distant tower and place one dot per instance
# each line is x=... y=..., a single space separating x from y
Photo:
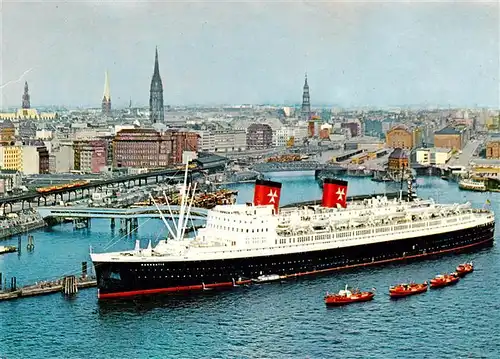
x=306 y=102
x=26 y=97
x=106 y=98
x=156 y=113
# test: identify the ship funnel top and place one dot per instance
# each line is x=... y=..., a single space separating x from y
x=334 y=193
x=267 y=192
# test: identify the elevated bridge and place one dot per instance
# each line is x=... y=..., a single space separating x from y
x=287 y=166
x=125 y=213
x=129 y=180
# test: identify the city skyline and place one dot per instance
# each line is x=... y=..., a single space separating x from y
x=355 y=54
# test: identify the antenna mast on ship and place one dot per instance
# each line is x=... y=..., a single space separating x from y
x=183 y=214
x=179 y=228
x=401 y=182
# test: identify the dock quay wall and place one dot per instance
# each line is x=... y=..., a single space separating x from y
x=44 y=288
x=6 y=233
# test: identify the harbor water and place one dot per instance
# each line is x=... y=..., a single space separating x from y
x=278 y=320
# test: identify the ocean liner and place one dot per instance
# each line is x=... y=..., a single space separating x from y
x=243 y=243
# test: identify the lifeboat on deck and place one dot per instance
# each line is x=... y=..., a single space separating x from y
x=444 y=280
x=345 y=296
x=404 y=290
x=464 y=269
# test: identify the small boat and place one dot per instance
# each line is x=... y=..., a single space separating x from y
x=472 y=185
x=7 y=249
x=464 y=269
x=444 y=280
x=266 y=278
x=404 y=290
x=345 y=296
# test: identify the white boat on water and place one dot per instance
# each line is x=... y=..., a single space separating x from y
x=267 y=278
x=471 y=185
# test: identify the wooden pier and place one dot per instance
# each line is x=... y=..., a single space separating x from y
x=68 y=285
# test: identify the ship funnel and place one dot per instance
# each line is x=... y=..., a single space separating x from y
x=334 y=193
x=267 y=192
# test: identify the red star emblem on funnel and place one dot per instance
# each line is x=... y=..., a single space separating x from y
x=272 y=196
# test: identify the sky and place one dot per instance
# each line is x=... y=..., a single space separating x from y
x=355 y=53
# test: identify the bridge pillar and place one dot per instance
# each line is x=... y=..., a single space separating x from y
x=112 y=223
x=122 y=224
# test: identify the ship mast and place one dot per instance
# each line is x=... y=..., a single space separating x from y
x=184 y=199
x=401 y=182
x=163 y=217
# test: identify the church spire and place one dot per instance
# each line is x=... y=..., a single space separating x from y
x=26 y=96
x=156 y=70
x=306 y=101
x=106 y=94
x=156 y=111
x=106 y=97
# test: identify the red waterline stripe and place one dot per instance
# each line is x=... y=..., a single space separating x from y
x=168 y=290
x=230 y=284
x=386 y=260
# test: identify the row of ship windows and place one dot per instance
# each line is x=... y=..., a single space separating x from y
x=339 y=235
x=222 y=268
x=366 y=232
x=225 y=219
x=242 y=230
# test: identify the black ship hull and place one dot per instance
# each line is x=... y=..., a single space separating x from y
x=125 y=279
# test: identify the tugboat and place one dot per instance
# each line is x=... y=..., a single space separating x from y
x=464 y=269
x=404 y=290
x=444 y=280
x=345 y=296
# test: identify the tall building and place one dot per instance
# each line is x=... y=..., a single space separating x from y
x=90 y=156
x=259 y=136
x=306 y=102
x=35 y=158
x=399 y=136
x=26 y=96
x=7 y=133
x=148 y=148
x=11 y=158
x=156 y=113
x=106 y=98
